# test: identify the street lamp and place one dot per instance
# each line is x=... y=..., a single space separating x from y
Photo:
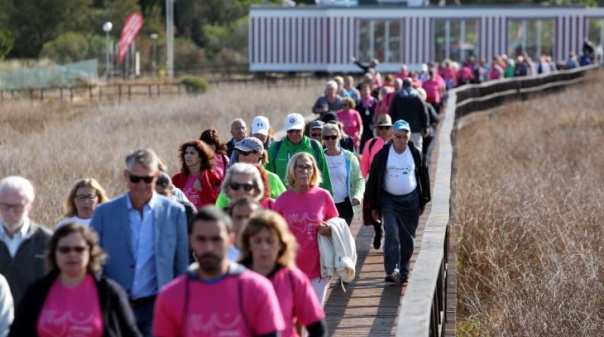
x=107 y=28
x=154 y=60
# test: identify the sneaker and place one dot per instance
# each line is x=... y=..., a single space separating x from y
x=403 y=278
x=377 y=240
x=393 y=278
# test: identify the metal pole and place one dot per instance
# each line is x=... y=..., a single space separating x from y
x=170 y=37
x=107 y=64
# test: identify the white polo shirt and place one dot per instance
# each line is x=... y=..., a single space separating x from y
x=13 y=243
x=400 y=173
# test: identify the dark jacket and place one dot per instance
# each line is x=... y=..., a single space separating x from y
x=28 y=263
x=118 y=319
x=375 y=184
x=408 y=106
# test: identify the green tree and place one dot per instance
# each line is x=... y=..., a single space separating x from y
x=37 y=22
x=66 y=48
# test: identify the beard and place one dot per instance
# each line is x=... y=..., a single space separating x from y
x=209 y=262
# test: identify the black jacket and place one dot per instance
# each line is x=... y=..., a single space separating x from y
x=408 y=106
x=118 y=319
x=375 y=184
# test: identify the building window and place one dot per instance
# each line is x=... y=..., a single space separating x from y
x=379 y=39
x=454 y=39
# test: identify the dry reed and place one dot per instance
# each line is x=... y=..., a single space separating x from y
x=529 y=217
x=55 y=145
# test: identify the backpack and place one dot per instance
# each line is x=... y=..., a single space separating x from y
x=316 y=148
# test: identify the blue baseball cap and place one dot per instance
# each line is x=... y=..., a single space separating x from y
x=401 y=125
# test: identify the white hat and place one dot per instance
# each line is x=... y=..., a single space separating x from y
x=294 y=121
x=260 y=125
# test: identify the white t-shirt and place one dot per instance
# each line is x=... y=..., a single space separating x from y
x=400 y=173
x=337 y=174
x=76 y=219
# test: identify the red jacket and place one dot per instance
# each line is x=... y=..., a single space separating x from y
x=210 y=185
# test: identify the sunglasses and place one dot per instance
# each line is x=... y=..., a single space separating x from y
x=384 y=127
x=137 y=179
x=315 y=135
x=330 y=137
x=246 y=153
x=236 y=186
x=67 y=249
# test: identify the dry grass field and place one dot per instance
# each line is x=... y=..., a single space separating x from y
x=530 y=215
x=55 y=145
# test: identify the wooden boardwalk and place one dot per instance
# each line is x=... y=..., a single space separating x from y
x=370 y=306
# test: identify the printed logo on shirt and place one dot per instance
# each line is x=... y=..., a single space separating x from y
x=305 y=223
x=216 y=324
x=66 y=323
x=396 y=172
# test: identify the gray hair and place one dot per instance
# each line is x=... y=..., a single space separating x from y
x=145 y=158
x=246 y=169
x=331 y=84
x=18 y=184
x=329 y=127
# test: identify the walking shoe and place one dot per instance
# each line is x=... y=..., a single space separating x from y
x=393 y=278
x=377 y=239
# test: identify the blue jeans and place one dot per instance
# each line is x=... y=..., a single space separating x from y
x=144 y=318
x=400 y=216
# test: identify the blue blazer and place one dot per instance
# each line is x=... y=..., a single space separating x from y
x=111 y=222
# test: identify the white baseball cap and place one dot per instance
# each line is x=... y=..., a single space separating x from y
x=294 y=121
x=260 y=125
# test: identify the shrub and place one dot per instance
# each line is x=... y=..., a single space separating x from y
x=195 y=85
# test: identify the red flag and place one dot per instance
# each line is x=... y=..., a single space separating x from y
x=131 y=27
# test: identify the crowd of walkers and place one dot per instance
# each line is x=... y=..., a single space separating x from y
x=246 y=237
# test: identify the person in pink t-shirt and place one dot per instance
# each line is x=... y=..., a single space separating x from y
x=210 y=136
x=351 y=120
x=269 y=249
x=197 y=178
x=217 y=297
x=73 y=299
x=306 y=208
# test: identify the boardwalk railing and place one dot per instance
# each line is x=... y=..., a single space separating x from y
x=424 y=306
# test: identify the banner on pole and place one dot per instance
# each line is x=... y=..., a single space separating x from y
x=132 y=26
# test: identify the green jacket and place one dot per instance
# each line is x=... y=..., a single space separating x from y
x=277 y=162
x=276 y=187
x=356 y=183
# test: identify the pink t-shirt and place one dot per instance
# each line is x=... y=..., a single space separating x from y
x=235 y=305
x=222 y=162
x=297 y=300
x=367 y=157
x=69 y=312
x=432 y=88
x=192 y=194
x=351 y=122
x=303 y=213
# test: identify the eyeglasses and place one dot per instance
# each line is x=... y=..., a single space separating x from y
x=85 y=197
x=315 y=135
x=384 y=127
x=67 y=249
x=17 y=207
x=246 y=153
x=334 y=137
x=236 y=186
x=137 y=179
x=302 y=168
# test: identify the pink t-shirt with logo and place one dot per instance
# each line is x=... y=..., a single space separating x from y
x=70 y=312
x=351 y=122
x=297 y=299
x=236 y=305
x=303 y=213
x=192 y=194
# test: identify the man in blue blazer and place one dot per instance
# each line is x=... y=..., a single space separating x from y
x=145 y=236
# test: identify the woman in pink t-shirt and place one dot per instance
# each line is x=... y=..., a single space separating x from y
x=197 y=178
x=73 y=299
x=306 y=208
x=269 y=248
x=211 y=137
x=351 y=120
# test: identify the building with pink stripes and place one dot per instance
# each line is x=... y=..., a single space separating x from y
x=324 y=38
